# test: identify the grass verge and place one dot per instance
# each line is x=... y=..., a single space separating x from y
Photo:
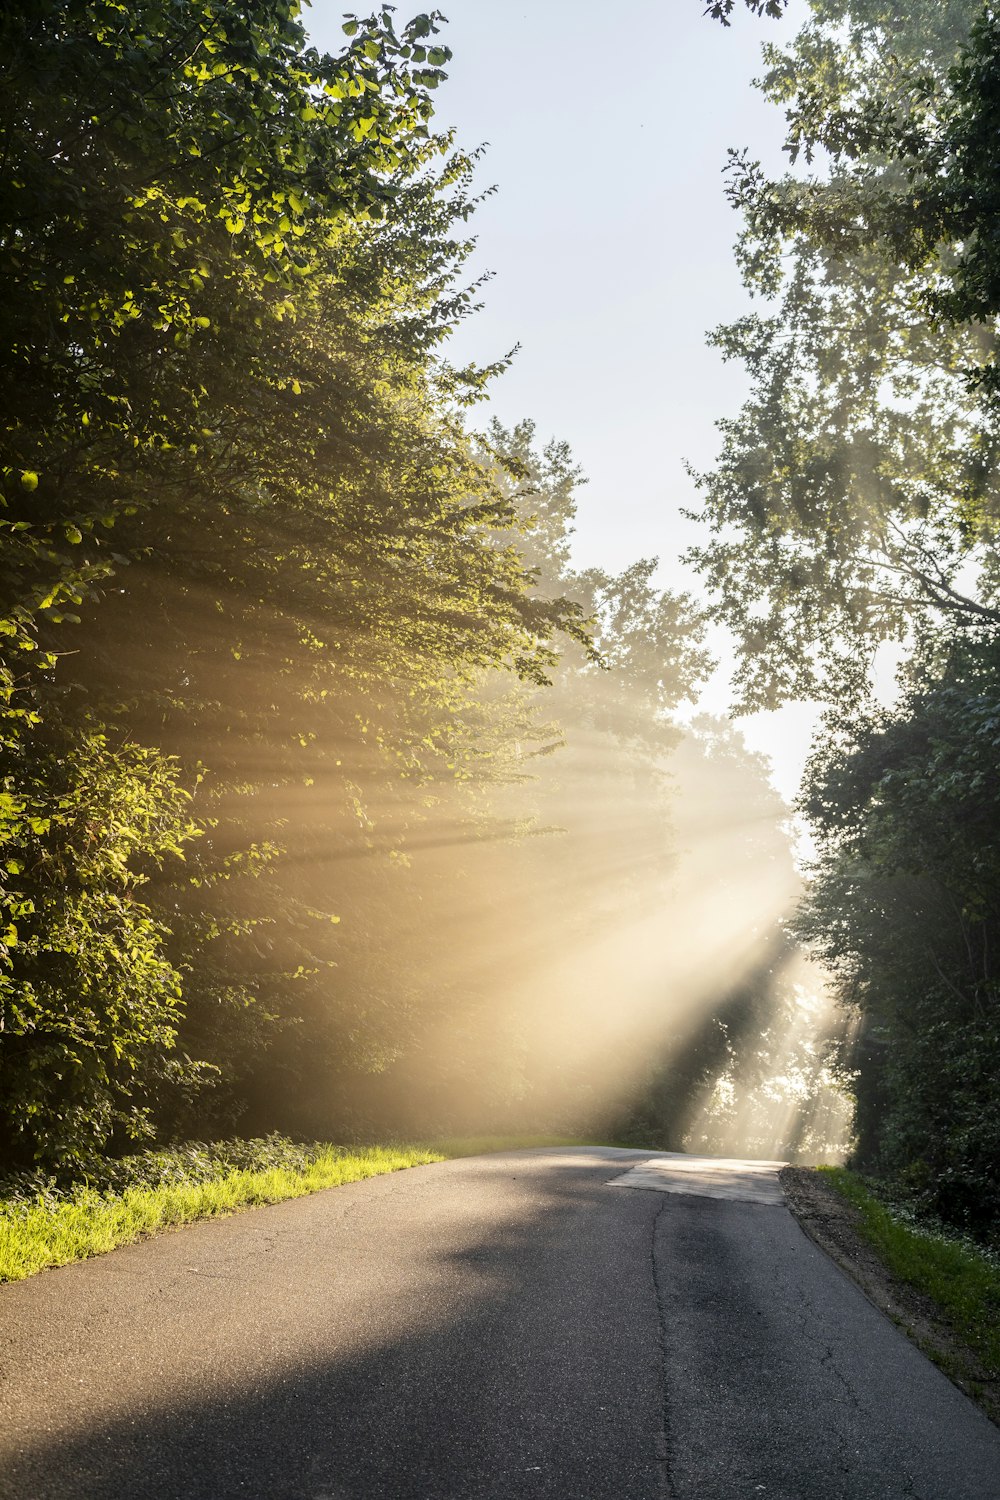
x=959 y=1278
x=35 y=1235
x=44 y=1224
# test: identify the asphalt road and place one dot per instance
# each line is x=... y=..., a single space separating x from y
x=527 y=1325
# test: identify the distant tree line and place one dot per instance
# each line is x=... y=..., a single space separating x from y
x=856 y=502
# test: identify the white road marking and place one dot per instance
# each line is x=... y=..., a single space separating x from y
x=748 y=1181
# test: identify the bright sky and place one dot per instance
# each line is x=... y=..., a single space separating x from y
x=610 y=242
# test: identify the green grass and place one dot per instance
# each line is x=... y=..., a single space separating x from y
x=959 y=1277
x=43 y=1224
x=35 y=1235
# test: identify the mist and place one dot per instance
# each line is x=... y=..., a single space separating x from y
x=564 y=911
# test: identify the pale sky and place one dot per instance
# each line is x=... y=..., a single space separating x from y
x=610 y=243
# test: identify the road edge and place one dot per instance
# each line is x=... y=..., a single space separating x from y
x=832 y=1223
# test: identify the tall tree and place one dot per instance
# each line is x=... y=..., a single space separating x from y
x=903 y=909
x=243 y=524
x=856 y=493
x=857 y=499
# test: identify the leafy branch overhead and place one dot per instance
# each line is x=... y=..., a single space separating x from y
x=856 y=494
x=721 y=10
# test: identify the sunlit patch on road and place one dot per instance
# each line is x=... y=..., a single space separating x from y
x=748 y=1181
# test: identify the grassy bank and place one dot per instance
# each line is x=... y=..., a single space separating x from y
x=47 y=1223
x=52 y=1232
x=960 y=1278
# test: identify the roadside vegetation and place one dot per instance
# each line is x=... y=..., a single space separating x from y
x=42 y=1224
x=47 y=1222
x=321 y=759
x=852 y=523
x=959 y=1277
x=336 y=798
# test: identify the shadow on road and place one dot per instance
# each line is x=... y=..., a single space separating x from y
x=467 y=1330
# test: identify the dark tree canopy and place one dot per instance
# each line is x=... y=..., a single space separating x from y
x=903 y=908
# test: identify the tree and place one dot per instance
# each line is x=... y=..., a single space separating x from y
x=244 y=524
x=89 y=999
x=856 y=500
x=857 y=490
x=153 y=154
x=903 y=908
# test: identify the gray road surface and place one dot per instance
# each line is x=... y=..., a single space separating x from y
x=529 y=1325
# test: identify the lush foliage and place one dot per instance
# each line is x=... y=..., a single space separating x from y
x=90 y=999
x=904 y=909
x=141 y=1195
x=855 y=502
x=335 y=798
x=856 y=492
x=250 y=556
x=960 y=1278
x=333 y=795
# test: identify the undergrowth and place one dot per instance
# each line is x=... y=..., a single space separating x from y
x=960 y=1276
x=46 y=1223
x=51 y=1219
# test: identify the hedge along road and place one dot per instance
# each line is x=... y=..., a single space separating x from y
x=584 y=1324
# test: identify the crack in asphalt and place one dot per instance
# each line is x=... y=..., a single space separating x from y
x=911 y=1492
x=665 y=1447
x=828 y=1362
